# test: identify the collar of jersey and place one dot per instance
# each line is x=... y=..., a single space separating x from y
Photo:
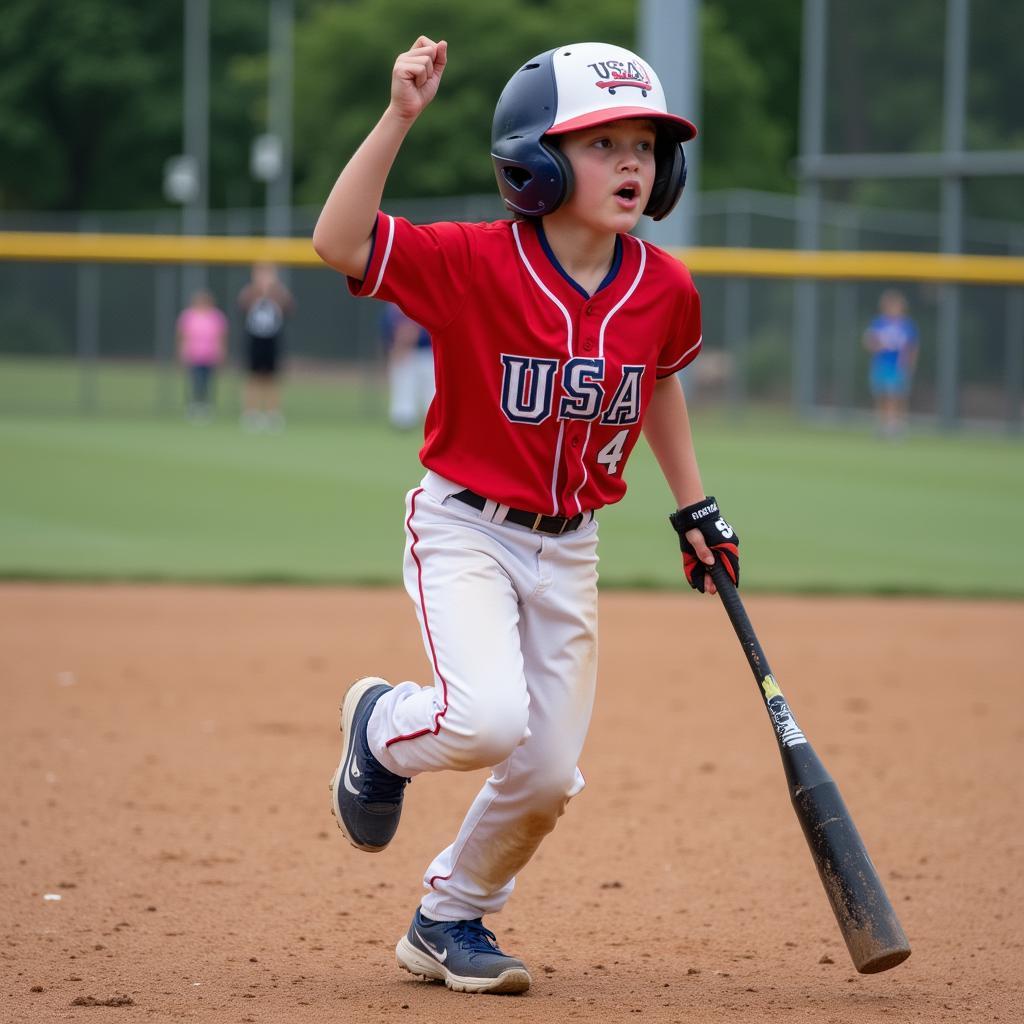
x=553 y=260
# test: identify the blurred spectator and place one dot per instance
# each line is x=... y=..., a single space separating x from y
x=266 y=302
x=410 y=368
x=202 y=331
x=891 y=338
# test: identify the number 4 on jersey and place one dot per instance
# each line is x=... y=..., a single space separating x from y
x=611 y=454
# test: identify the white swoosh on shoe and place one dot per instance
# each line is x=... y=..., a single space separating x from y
x=440 y=955
x=354 y=769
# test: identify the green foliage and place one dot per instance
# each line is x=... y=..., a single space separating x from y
x=747 y=121
x=346 y=53
x=91 y=92
x=746 y=144
x=91 y=101
x=90 y=113
x=74 y=76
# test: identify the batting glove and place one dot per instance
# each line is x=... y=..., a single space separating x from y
x=719 y=536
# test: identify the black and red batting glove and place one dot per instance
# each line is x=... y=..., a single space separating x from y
x=718 y=535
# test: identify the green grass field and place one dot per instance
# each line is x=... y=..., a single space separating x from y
x=138 y=496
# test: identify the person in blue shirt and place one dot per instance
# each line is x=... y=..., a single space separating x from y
x=891 y=338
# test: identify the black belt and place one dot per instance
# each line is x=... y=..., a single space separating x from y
x=533 y=520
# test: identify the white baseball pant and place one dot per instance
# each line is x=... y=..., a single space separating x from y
x=509 y=623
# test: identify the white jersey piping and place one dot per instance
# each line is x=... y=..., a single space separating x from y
x=629 y=292
x=568 y=327
x=694 y=346
x=554 y=475
x=583 y=463
x=387 y=253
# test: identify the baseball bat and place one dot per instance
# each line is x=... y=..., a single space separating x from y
x=873 y=934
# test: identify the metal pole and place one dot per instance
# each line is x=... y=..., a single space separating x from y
x=669 y=35
x=736 y=321
x=847 y=330
x=196 y=128
x=240 y=222
x=812 y=140
x=166 y=286
x=87 y=330
x=954 y=112
x=279 y=105
x=1015 y=348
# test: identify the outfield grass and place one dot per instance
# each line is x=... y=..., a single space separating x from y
x=820 y=510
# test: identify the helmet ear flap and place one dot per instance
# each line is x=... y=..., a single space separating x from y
x=533 y=180
x=533 y=176
x=669 y=177
x=550 y=146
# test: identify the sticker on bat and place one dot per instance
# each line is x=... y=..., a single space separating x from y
x=785 y=724
x=770 y=687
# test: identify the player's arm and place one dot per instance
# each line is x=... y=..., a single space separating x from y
x=343 y=234
x=667 y=429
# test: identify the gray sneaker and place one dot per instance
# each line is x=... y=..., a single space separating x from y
x=462 y=954
x=366 y=799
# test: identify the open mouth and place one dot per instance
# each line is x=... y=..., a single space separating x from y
x=628 y=192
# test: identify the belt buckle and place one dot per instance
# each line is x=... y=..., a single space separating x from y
x=551 y=533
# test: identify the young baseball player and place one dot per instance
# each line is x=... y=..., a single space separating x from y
x=556 y=335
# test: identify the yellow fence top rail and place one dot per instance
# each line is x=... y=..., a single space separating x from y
x=298 y=252
x=108 y=248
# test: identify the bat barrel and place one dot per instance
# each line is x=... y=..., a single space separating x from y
x=862 y=910
x=869 y=925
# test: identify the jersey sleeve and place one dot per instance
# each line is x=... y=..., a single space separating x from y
x=424 y=269
x=684 y=340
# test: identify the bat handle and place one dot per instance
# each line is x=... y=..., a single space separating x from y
x=740 y=621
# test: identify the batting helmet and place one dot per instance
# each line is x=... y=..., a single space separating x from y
x=566 y=89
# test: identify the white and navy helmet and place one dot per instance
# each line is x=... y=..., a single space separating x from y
x=566 y=89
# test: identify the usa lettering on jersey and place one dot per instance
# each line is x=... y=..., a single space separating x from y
x=541 y=386
x=528 y=391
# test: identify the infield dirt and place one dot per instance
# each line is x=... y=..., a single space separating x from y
x=169 y=853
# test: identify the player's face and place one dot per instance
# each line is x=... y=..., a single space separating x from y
x=613 y=167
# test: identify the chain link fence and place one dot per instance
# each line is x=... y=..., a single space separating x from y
x=99 y=338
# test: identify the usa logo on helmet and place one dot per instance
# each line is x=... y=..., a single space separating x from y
x=614 y=74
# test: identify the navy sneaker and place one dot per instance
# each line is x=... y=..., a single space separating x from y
x=366 y=799
x=462 y=954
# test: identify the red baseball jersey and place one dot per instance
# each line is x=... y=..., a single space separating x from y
x=541 y=389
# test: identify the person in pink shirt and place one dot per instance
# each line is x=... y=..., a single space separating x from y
x=202 y=332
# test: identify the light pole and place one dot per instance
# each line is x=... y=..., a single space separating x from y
x=271 y=156
x=195 y=161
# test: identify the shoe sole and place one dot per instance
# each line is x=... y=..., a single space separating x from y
x=348 y=710
x=421 y=965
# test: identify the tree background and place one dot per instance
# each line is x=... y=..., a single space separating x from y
x=91 y=92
